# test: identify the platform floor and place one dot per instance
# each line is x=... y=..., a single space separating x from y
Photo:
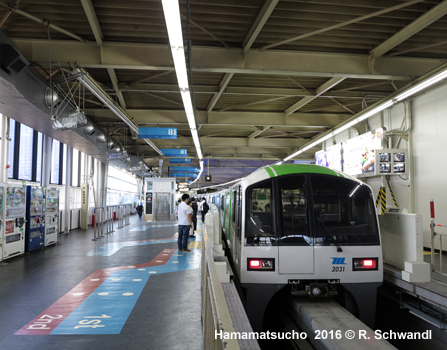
x=129 y=290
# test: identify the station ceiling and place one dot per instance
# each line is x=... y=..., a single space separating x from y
x=267 y=75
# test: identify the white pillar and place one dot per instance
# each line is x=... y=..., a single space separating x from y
x=67 y=190
x=46 y=161
x=4 y=149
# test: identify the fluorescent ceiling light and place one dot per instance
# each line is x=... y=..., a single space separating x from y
x=200 y=173
x=423 y=84
x=173 y=23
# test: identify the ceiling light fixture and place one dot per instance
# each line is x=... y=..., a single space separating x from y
x=410 y=90
x=174 y=26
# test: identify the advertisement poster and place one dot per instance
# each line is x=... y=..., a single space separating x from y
x=358 y=153
x=330 y=158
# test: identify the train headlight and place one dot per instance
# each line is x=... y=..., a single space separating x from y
x=260 y=264
x=365 y=264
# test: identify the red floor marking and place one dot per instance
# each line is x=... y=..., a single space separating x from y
x=48 y=320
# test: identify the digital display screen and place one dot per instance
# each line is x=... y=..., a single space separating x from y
x=399 y=157
x=385 y=167
x=385 y=157
x=399 y=168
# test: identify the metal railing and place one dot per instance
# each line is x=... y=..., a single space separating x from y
x=123 y=215
x=109 y=219
x=215 y=314
x=98 y=225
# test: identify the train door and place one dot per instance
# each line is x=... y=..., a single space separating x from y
x=236 y=224
x=162 y=207
x=296 y=251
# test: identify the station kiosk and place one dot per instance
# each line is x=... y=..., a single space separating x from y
x=14 y=221
x=35 y=218
x=51 y=215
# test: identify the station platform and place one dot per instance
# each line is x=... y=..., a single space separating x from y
x=131 y=289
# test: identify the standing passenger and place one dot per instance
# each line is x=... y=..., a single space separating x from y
x=205 y=208
x=184 y=224
x=194 y=216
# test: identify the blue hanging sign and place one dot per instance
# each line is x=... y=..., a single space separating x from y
x=157 y=133
x=174 y=152
x=184 y=169
x=180 y=160
x=182 y=175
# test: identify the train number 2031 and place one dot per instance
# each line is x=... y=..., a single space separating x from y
x=338 y=268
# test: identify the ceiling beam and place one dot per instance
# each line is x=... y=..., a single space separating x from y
x=97 y=33
x=44 y=22
x=222 y=86
x=258 y=132
x=118 y=92
x=206 y=31
x=155 y=57
x=320 y=90
x=258 y=24
x=416 y=26
x=261 y=119
x=93 y=20
x=339 y=25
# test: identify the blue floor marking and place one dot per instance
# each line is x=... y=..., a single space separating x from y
x=147 y=227
x=106 y=310
x=111 y=248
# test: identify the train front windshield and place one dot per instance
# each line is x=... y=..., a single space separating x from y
x=310 y=209
x=344 y=212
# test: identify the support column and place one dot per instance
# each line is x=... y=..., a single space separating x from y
x=67 y=191
x=4 y=149
x=46 y=161
x=409 y=114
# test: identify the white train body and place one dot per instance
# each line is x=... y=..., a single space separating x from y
x=305 y=227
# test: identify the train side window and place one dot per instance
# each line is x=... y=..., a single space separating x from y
x=293 y=211
x=259 y=223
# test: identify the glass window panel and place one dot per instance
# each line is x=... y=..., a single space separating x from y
x=75 y=168
x=260 y=223
x=344 y=211
x=293 y=211
x=39 y=157
x=12 y=133
x=56 y=149
x=25 y=153
x=83 y=179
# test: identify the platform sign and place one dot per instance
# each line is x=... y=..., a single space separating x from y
x=157 y=133
x=180 y=160
x=184 y=169
x=174 y=152
x=183 y=175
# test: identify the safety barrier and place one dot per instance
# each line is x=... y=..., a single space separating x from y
x=433 y=235
x=109 y=219
x=216 y=315
x=124 y=215
x=98 y=223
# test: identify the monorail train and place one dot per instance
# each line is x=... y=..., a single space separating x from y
x=308 y=228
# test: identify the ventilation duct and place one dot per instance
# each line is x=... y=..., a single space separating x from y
x=76 y=118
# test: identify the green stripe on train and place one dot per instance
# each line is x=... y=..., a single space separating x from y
x=286 y=169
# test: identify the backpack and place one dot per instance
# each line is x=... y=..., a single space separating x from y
x=205 y=207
